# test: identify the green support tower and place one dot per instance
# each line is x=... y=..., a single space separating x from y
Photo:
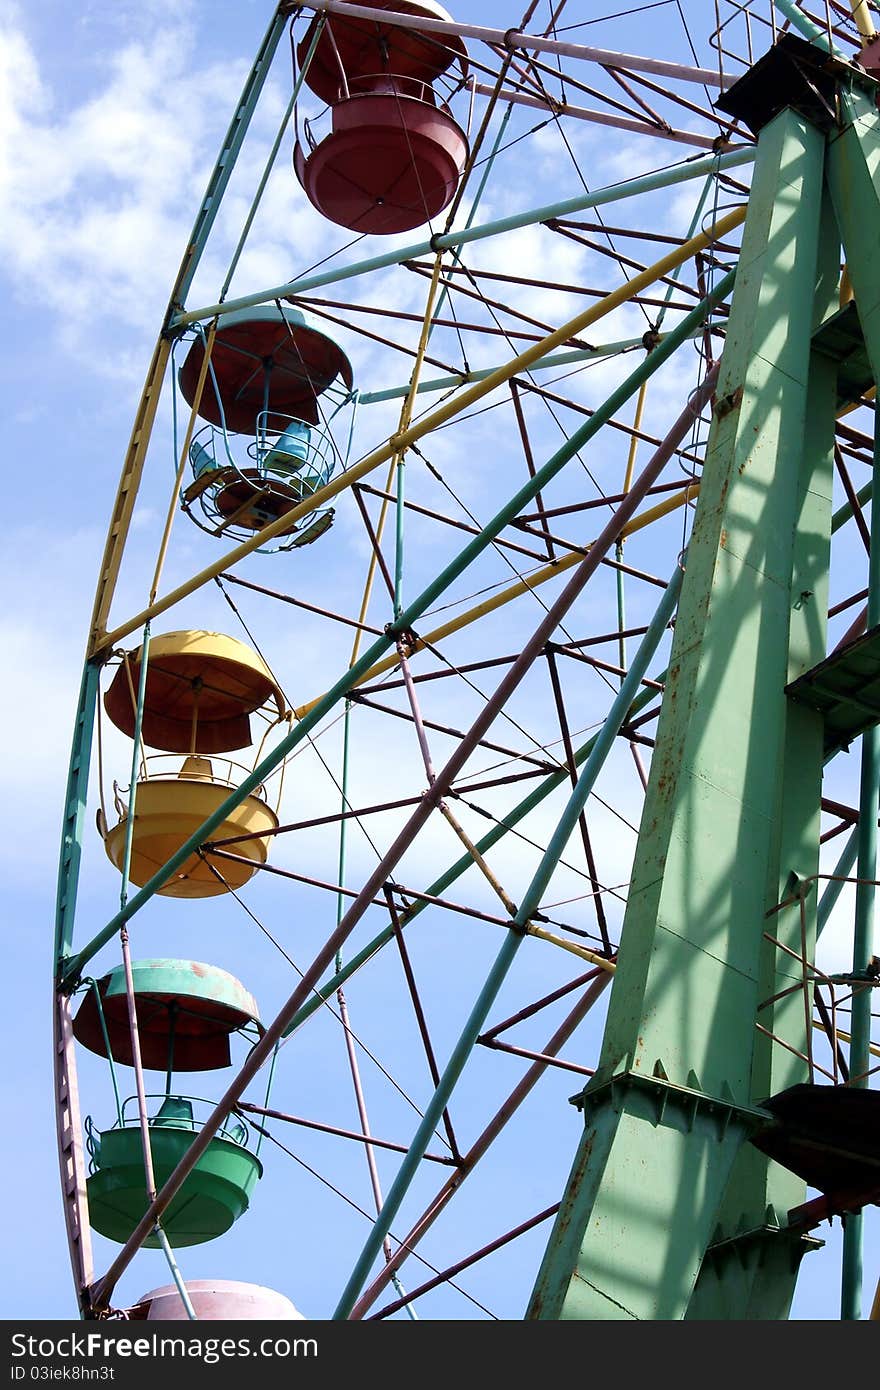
x=671 y=1211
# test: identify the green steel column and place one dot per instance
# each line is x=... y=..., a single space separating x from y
x=751 y=1268
x=669 y=1107
x=852 y=176
x=853 y=155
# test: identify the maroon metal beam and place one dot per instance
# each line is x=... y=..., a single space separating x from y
x=531 y=1009
x=358 y=698
x=536 y=1056
x=601 y=920
x=848 y=603
x=855 y=504
x=300 y=603
x=606 y=501
x=374 y=540
x=452 y=521
x=374 y=337
x=246 y=1107
x=336 y=816
x=620 y=425
x=419 y=1011
x=530 y=462
x=485 y=1140
x=455 y=1269
x=375 y=899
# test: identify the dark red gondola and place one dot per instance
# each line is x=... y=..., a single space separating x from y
x=395 y=153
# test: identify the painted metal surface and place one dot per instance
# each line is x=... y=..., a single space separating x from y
x=75 y=810
x=71 y=1151
x=773 y=425
x=844 y=688
x=200 y=689
x=395 y=153
x=169 y=812
x=103 y=1290
x=68 y=1124
x=852 y=164
x=438 y=417
x=355 y=48
x=216 y=1300
x=415 y=609
x=215 y=1194
x=517 y=38
x=751 y=1266
x=347 y=1306
x=186 y=1010
x=268 y=351
x=392 y=162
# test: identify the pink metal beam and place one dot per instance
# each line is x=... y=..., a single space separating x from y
x=514 y=38
x=584 y=113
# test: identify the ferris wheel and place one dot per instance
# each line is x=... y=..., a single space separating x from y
x=459 y=743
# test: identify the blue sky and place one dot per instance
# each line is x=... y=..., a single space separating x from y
x=112 y=116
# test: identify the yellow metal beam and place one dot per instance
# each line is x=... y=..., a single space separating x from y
x=862 y=17
x=575 y=948
x=123 y=507
x=184 y=456
x=440 y=416
x=404 y=419
x=845 y=1037
x=634 y=439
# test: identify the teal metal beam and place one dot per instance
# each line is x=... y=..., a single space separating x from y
x=74 y=811
x=273 y=153
x=834 y=887
x=663 y=178
x=672 y=1103
x=810 y=30
x=845 y=511
x=222 y=171
x=553 y=359
x=406 y=622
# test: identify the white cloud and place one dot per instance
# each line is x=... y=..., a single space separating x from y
x=99 y=194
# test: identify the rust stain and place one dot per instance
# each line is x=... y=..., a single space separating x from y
x=729 y=403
